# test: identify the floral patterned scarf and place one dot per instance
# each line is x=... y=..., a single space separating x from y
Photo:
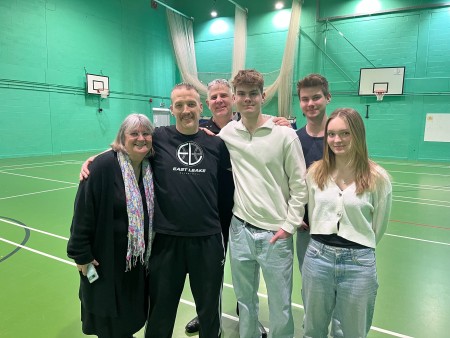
x=135 y=210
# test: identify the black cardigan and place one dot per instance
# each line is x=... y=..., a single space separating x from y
x=92 y=233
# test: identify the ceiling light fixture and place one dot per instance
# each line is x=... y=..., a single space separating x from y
x=279 y=5
x=213 y=11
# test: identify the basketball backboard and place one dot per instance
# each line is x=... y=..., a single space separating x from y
x=389 y=79
x=97 y=84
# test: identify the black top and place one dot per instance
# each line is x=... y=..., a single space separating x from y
x=210 y=125
x=313 y=151
x=186 y=171
x=99 y=231
x=337 y=241
x=226 y=185
x=312 y=146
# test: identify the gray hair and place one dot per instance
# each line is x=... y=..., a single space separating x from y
x=131 y=122
x=221 y=82
x=218 y=82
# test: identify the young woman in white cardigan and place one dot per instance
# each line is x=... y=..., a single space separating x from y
x=349 y=203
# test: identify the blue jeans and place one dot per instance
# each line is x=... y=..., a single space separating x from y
x=342 y=282
x=303 y=238
x=250 y=250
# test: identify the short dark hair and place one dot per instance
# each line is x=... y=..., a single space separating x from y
x=313 y=80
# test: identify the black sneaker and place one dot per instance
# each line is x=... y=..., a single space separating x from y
x=262 y=330
x=194 y=326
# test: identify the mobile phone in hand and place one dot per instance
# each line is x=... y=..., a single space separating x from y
x=92 y=274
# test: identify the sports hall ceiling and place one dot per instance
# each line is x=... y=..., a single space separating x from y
x=200 y=9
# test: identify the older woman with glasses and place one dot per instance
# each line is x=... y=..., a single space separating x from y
x=111 y=233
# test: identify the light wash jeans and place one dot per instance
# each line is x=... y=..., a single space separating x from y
x=249 y=250
x=342 y=282
x=303 y=238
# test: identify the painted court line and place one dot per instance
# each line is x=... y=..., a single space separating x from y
x=395 y=334
x=33 y=229
x=416 y=202
x=415 y=173
x=421 y=186
x=37 y=178
x=38 y=165
x=38 y=252
x=36 y=193
x=225 y=284
x=391 y=333
x=226 y=315
x=418 y=239
x=416 y=164
x=424 y=199
x=73 y=264
x=420 y=224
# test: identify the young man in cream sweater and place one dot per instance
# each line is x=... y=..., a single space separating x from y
x=270 y=194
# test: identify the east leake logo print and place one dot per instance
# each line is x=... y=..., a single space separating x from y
x=189 y=154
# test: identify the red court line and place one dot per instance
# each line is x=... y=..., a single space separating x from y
x=419 y=224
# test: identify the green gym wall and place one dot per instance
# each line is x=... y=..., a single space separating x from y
x=46 y=47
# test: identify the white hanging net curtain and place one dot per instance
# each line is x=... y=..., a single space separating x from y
x=183 y=43
x=184 y=48
x=283 y=83
x=240 y=41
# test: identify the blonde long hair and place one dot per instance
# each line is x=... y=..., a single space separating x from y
x=366 y=171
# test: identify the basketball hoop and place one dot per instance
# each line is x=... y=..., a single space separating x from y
x=380 y=94
x=104 y=93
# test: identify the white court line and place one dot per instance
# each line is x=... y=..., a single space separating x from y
x=74 y=264
x=236 y=319
x=38 y=252
x=33 y=229
x=418 y=239
x=35 y=193
x=225 y=284
x=226 y=315
x=395 y=334
x=299 y=306
x=76 y=184
x=416 y=164
x=415 y=173
x=423 y=199
x=421 y=186
x=415 y=202
x=38 y=165
x=37 y=178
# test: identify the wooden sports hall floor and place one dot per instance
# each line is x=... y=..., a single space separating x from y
x=38 y=294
